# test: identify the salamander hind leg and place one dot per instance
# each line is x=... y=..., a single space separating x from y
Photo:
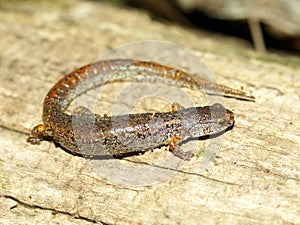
x=175 y=148
x=38 y=133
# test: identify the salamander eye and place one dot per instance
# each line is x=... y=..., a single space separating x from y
x=221 y=121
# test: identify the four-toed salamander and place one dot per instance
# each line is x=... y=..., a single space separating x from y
x=90 y=134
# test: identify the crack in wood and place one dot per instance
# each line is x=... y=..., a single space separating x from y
x=49 y=209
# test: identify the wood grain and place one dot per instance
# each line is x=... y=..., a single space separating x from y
x=255 y=178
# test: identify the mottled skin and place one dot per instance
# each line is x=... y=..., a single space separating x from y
x=90 y=134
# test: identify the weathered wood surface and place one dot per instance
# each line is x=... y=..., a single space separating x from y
x=256 y=175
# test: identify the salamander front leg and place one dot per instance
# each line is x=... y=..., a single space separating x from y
x=175 y=148
x=176 y=106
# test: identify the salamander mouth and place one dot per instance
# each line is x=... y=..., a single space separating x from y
x=229 y=117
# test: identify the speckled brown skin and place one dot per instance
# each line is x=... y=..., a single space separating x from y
x=90 y=134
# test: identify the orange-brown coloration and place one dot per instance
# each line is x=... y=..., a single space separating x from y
x=91 y=134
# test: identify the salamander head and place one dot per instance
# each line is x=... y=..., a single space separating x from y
x=218 y=119
x=207 y=120
x=223 y=117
